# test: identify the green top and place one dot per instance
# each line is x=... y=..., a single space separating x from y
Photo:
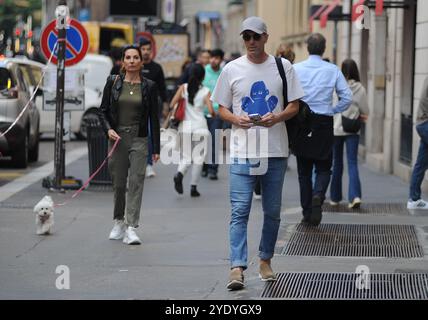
x=210 y=82
x=129 y=105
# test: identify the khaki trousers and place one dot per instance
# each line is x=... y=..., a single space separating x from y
x=129 y=160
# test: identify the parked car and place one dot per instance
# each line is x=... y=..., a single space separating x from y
x=97 y=68
x=22 y=141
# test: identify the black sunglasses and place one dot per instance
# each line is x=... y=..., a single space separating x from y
x=248 y=36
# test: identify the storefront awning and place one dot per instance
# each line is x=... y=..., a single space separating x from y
x=315 y=16
x=379 y=7
x=332 y=11
x=355 y=14
x=324 y=15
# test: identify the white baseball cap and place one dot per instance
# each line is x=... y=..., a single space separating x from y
x=255 y=24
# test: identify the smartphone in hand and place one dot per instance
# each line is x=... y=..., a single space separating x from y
x=255 y=117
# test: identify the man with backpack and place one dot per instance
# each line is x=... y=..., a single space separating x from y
x=250 y=94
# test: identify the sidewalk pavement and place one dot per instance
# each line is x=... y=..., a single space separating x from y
x=184 y=251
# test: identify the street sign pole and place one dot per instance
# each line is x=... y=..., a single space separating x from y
x=61 y=13
x=70 y=41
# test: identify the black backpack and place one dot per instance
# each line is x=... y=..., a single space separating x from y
x=300 y=124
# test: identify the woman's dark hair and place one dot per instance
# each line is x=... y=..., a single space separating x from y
x=130 y=47
x=350 y=70
x=197 y=75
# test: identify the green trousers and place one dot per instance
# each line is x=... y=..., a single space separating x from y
x=127 y=168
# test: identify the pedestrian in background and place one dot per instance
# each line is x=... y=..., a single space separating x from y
x=202 y=57
x=252 y=85
x=286 y=52
x=116 y=57
x=116 y=45
x=319 y=80
x=358 y=111
x=129 y=104
x=212 y=73
x=421 y=165
x=153 y=71
x=194 y=128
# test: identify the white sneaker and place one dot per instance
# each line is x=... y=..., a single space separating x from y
x=419 y=205
x=131 y=237
x=118 y=231
x=355 y=204
x=150 y=173
x=334 y=203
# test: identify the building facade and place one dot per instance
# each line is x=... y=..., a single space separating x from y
x=287 y=22
x=392 y=53
x=206 y=22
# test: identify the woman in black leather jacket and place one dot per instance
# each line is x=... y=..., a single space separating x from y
x=129 y=102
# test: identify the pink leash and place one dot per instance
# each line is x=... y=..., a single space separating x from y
x=91 y=177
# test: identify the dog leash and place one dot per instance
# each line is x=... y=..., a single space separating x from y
x=91 y=177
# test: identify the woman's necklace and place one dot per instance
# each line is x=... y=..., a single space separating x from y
x=131 y=92
x=133 y=85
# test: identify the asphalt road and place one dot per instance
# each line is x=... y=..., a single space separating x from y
x=184 y=254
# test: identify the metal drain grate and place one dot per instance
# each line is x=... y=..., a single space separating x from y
x=369 y=208
x=344 y=286
x=347 y=240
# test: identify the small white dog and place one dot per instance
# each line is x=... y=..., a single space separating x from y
x=44 y=215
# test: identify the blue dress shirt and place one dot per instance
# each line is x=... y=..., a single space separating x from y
x=319 y=79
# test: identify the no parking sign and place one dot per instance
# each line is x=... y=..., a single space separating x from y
x=76 y=46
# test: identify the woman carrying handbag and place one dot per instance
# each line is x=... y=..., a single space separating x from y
x=193 y=128
x=347 y=132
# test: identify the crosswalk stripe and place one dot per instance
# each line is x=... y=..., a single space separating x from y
x=10 y=175
x=38 y=174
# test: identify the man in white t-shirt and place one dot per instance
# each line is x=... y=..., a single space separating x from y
x=250 y=94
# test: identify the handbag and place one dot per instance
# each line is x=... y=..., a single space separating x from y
x=176 y=115
x=351 y=125
x=180 y=111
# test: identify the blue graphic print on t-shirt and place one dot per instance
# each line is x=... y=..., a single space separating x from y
x=257 y=103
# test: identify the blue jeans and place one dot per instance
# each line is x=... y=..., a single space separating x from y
x=354 y=190
x=241 y=194
x=421 y=164
x=213 y=125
